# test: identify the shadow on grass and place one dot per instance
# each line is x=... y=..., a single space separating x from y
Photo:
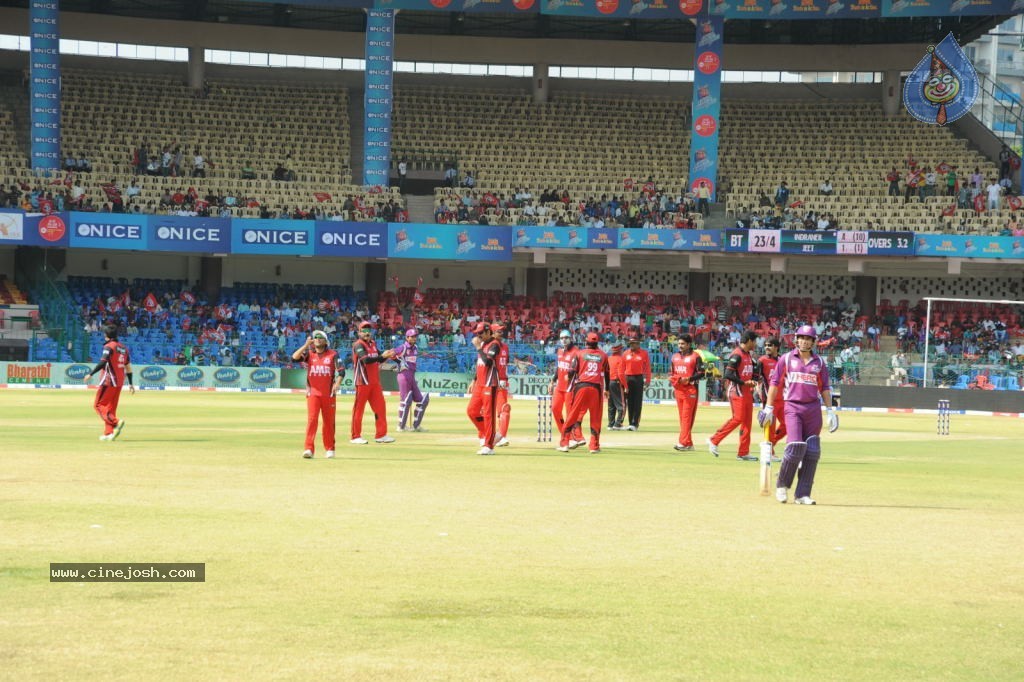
x=893 y=506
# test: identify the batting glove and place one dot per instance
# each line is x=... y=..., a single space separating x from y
x=503 y=385
x=833 y=421
x=765 y=416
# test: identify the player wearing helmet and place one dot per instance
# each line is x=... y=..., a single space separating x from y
x=802 y=377
x=408 y=389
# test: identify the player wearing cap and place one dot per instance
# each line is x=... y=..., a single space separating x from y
x=616 y=389
x=687 y=369
x=766 y=364
x=502 y=406
x=481 y=402
x=636 y=365
x=408 y=389
x=559 y=388
x=115 y=366
x=323 y=379
x=801 y=375
x=366 y=361
x=740 y=372
x=589 y=379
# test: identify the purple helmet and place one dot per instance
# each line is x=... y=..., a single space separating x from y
x=807 y=330
x=411 y=332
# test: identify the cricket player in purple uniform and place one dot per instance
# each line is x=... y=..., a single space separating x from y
x=408 y=390
x=802 y=376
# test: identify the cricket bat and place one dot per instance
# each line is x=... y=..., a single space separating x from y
x=765 y=474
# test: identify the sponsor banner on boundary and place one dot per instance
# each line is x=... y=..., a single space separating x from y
x=353 y=240
x=108 y=231
x=662 y=239
x=449 y=242
x=969 y=246
x=467 y=6
x=196 y=235
x=272 y=237
x=145 y=376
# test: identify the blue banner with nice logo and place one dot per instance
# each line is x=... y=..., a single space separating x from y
x=44 y=85
x=707 y=105
x=377 y=100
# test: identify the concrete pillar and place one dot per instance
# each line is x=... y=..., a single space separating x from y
x=211 y=274
x=376 y=282
x=866 y=294
x=993 y=73
x=892 y=93
x=196 y=67
x=541 y=83
x=537 y=283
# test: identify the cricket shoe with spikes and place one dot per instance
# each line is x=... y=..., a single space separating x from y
x=502 y=442
x=806 y=499
x=308 y=454
x=782 y=495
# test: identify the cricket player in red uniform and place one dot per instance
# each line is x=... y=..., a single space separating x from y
x=502 y=406
x=366 y=364
x=636 y=365
x=561 y=399
x=684 y=377
x=766 y=365
x=481 y=402
x=617 y=389
x=323 y=379
x=589 y=379
x=739 y=372
x=115 y=366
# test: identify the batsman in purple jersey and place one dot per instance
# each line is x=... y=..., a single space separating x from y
x=408 y=390
x=802 y=376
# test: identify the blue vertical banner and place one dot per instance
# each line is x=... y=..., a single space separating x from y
x=377 y=101
x=44 y=90
x=707 y=104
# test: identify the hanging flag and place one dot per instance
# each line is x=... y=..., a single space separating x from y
x=419 y=282
x=979 y=203
x=1014 y=203
x=150 y=303
x=949 y=211
x=322 y=196
x=126 y=297
x=188 y=298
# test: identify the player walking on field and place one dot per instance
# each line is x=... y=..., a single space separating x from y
x=561 y=399
x=766 y=364
x=408 y=389
x=366 y=365
x=323 y=379
x=739 y=372
x=686 y=372
x=481 y=402
x=801 y=375
x=114 y=368
x=589 y=379
x=616 y=389
x=502 y=406
x=636 y=365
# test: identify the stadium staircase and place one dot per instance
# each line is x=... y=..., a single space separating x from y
x=421 y=208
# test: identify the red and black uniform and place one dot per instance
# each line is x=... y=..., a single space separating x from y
x=112 y=369
x=481 y=402
x=687 y=371
x=616 y=391
x=590 y=379
x=739 y=369
x=501 y=405
x=777 y=429
x=366 y=365
x=321 y=371
x=561 y=399
x=636 y=365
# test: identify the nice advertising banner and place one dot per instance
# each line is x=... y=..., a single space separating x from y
x=56 y=374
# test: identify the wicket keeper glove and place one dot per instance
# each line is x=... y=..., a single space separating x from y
x=765 y=416
x=833 y=420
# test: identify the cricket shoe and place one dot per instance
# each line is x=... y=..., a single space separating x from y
x=746 y=458
x=384 y=439
x=682 y=448
x=419 y=429
x=631 y=428
x=612 y=427
x=402 y=429
x=108 y=436
x=712 y=448
x=776 y=460
x=806 y=499
x=308 y=454
x=562 y=448
x=573 y=444
x=782 y=494
x=502 y=442
x=359 y=441
x=117 y=430
x=596 y=452
x=485 y=451
x=329 y=454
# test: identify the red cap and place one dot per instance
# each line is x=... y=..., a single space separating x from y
x=617 y=347
x=592 y=337
x=366 y=325
x=497 y=327
x=480 y=327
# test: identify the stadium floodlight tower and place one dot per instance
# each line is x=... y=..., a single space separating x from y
x=928 y=321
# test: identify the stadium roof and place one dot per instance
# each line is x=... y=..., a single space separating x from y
x=921 y=30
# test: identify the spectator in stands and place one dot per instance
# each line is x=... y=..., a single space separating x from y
x=977 y=178
x=83 y=164
x=993 y=192
x=930 y=184
x=198 y=165
x=825 y=188
x=951 y=182
x=153 y=167
x=451 y=175
x=781 y=197
x=247 y=171
x=704 y=197
x=70 y=164
x=403 y=172
x=280 y=173
x=1004 y=162
x=893 y=178
x=469 y=180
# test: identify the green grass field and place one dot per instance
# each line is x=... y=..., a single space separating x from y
x=423 y=561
